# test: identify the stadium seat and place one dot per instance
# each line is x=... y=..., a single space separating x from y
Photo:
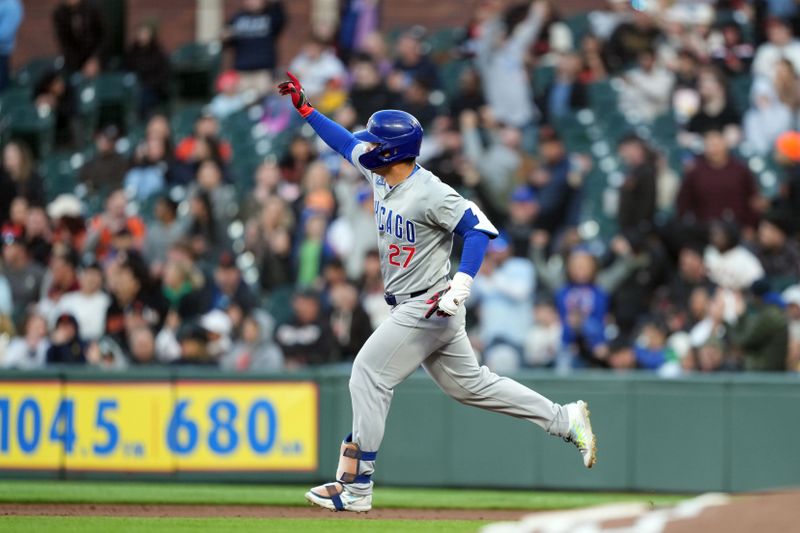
x=541 y=77
x=60 y=173
x=450 y=74
x=108 y=99
x=195 y=67
x=739 y=90
x=183 y=119
x=20 y=119
x=30 y=73
x=579 y=26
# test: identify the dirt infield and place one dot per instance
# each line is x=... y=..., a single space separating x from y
x=777 y=511
x=248 y=511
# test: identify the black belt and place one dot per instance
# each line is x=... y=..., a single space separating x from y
x=396 y=299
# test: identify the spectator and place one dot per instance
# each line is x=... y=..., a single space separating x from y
x=415 y=100
x=24 y=275
x=543 y=340
x=89 y=304
x=206 y=128
x=66 y=346
x=114 y=219
x=252 y=33
x=306 y=340
x=11 y=14
x=637 y=199
x=217 y=327
x=61 y=278
x=230 y=288
x=710 y=357
x=690 y=276
x=255 y=350
x=716 y=112
x=469 y=94
x=19 y=166
x=787 y=85
x=147 y=59
x=718 y=186
x=629 y=39
x=729 y=263
x=106 y=170
x=781 y=44
x=778 y=253
x=762 y=333
x=766 y=119
x=316 y=65
x=368 y=93
x=566 y=93
x=646 y=89
x=142 y=345
x=502 y=48
x=166 y=229
x=39 y=235
x=311 y=250
x=522 y=212
x=207 y=235
x=29 y=351
x=229 y=98
x=557 y=182
x=504 y=294
x=411 y=62
x=731 y=53
x=791 y=297
x=79 y=29
x=651 y=345
x=51 y=94
x=350 y=324
x=152 y=169
x=184 y=288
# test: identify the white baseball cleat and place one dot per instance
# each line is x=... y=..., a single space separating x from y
x=580 y=432
x=336 y=497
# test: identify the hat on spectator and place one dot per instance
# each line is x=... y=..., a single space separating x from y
x=216 y=321
x=226 y=260
x=524 y=194
x=498 y=244
x=791 y=296
x=65 y=205
x=788 y=145
x=13 y=235
x=227 y=80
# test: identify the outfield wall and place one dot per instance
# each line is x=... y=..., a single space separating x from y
x=721 y=432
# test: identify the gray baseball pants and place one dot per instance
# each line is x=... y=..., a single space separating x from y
x=407 y=340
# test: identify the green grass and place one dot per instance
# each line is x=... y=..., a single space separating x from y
x=96 y=524
x=222 y=494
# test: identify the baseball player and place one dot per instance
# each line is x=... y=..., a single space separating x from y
x=416 y=216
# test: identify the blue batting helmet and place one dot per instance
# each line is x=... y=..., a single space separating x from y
x=397 y=134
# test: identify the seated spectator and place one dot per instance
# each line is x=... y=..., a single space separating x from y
x=80 y=33
x=142 y=346
x=637 y=197
x=66 y=346
x=350 y=324
x=412 y=62
x=106 y=170
x=229 y=286
x=306 y=340
x=504 y=294
x=522 y=213
x=778 y=253
x=766 y=119
x=621 y=356
x=255 y=350
x=184 y=288
x=716 y=113
x=252 y=33
x=761 y=331
x=731 y=53
x=710 y=357
x=718 y=186
x=316 y=65
x=786 y=84
x=211 y=181
x=146 y=58
x=205 y=127
x=728 y=262
x=111 y=221
x=293 y=165
x=791 y=297
x=208 y=237
x=39 y=235
x=19 y=167
x=134 y=299
x=780 y=44
x=28 y=351
x=229 y=98
x=166 y=229
x=217 y=327
x=89 y=304
x=368 y=93
x=61 y=278
x=543 y=340
x=23 y=274
x=151 y=170
x=651 y=346
x=646 y=90
x=51 y=94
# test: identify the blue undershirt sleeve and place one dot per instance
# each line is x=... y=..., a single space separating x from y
x=333 y=134
x=475 y=243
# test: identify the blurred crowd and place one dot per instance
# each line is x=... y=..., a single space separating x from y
x=700 y=271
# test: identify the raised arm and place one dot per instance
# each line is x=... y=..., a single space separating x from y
x=334 y=135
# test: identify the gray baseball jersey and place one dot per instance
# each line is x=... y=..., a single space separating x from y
x=415 y=222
